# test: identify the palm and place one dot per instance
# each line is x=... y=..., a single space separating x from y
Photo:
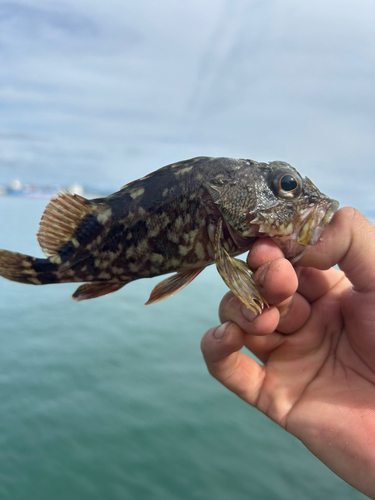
x=322 y=368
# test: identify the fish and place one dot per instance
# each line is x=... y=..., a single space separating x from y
x=178 y=219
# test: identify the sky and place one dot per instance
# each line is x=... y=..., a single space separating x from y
x=101 y=93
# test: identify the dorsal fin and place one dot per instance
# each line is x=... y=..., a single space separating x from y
x=60 y=220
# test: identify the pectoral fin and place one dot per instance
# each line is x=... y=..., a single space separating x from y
x=172 y=285
x=237 y=275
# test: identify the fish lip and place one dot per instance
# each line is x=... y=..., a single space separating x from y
x=332 y=209
x=315 y=224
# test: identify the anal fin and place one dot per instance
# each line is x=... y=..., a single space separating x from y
x=172 y=285
x=95 y=289
x=237 y=275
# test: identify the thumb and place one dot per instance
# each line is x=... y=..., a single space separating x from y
x=349 y=241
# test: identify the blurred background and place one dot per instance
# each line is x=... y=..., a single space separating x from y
x=108 y=399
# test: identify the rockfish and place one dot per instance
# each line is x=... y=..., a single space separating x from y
x=180 y=218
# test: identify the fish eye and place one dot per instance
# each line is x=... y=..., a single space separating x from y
x=286 y=184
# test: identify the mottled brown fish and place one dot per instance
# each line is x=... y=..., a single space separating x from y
x=180 y=218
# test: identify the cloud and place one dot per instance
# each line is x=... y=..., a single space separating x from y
x=34 y=21
x=128 y=87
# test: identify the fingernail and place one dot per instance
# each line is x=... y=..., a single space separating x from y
x=248 y=314
x=260 y=279
x=220 y=331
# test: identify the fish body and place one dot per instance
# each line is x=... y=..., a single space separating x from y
x=179 y=219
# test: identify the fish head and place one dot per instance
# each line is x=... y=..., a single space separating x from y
x=290 y=209
x=286 y=207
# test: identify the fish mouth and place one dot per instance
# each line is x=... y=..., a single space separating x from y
x=315 y=224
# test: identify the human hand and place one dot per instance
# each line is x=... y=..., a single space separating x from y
x=316 y=343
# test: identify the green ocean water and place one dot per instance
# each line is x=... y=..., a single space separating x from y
x=109 y=399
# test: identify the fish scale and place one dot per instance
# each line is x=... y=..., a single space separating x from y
x=180 y=218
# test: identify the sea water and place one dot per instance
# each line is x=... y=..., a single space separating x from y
x=110 y=400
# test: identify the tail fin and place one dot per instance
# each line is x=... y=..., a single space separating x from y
x=25 y=269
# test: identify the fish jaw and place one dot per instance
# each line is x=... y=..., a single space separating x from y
x=307 y=229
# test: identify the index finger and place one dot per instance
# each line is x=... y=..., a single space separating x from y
x=264 y=250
